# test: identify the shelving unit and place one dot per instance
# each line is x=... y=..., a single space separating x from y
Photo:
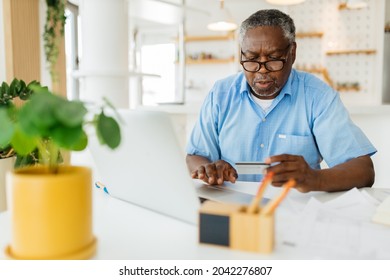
x=319 y=70
x=211 y=57
x=325 y=74
x=347 y=44
x=209 y=38
x=209 y=61
x=342 y=52
x=309 y=34
x=347 y=88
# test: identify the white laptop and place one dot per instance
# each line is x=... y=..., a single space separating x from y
x=148 y=168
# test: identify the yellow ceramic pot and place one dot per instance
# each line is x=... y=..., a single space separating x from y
x=51 y=214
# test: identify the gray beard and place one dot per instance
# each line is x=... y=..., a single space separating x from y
x=265 y=94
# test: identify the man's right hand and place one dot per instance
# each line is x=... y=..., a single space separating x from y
x=215 y=173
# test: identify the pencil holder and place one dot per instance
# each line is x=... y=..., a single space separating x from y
x=230 y=225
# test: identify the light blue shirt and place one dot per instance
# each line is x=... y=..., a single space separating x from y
x=307 y=118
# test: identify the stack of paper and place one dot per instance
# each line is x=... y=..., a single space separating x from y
x=338 y=229
x=382 y=213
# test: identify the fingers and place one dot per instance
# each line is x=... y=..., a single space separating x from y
x=281 y=178
x=215 y=173
x=200 y=174
x=225 y=172
x=194 y=174
x=232 y=175
x=207 y=173
x=281 y=158
x=285 y=167
x=229 y=174
x=294 y=167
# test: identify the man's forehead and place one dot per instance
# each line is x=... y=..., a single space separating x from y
x=264 y=34
x=269 y=37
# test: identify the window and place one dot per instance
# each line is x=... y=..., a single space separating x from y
x=159 y=59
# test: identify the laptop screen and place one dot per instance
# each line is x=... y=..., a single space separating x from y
x=148 y=168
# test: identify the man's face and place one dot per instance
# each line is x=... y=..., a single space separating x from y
x=262 y=44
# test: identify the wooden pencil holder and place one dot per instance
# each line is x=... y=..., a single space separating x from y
x=231 y=226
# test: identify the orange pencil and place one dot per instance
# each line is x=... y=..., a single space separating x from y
x=271 y=206
x=255 y=201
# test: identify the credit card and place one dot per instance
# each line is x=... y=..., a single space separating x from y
x=251 y=167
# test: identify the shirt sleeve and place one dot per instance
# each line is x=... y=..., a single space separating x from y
x=204 y=140
x=338 y=138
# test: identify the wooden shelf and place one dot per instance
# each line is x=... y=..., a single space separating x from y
x=309 y=34
x=209 y=38
x=341 y=52
x=209 y=61
x=322 y=71
x=348 y=88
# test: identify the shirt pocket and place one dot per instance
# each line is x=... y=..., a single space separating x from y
x=298 y=145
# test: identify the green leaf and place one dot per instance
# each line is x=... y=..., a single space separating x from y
x=23 y=143
x=37 y=88
x=71 y=113
x=108 y=131
x=81 y=144
x=4 y=92
x=110 y=105
x=18 y=86
x=30 y=159
x=7 y=129
x=65 y=137
x=37 y=116
x=12 y=87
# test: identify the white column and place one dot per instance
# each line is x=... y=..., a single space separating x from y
x=104 y=51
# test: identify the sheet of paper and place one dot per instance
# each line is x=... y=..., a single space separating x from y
x=382 y=213
x=340 y=228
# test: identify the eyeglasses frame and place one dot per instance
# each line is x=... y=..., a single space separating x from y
x=284 y=60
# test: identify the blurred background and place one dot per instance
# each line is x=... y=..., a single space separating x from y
x=166 y=54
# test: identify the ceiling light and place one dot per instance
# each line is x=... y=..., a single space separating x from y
x=285 y=2
x=222 y=20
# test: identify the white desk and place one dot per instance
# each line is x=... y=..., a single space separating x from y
x=126 y=231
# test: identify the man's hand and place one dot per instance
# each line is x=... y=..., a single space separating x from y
x=292 y=167
x=215 y=173
x=357 y=172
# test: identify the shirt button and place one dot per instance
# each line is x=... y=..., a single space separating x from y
x=263 y=120
x=262 y=145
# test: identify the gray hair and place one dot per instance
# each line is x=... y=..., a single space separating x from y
x=270 y=17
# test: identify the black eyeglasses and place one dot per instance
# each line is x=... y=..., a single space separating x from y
x=254 y=66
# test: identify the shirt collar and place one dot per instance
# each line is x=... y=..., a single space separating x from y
x=287 y=88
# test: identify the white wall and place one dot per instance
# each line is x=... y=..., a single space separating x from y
x=377 y=128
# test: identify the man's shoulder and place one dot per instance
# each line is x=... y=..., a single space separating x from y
x=312 y=84
x=311 y=80
x=228 y=87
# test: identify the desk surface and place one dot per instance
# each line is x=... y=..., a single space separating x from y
x=126 y=231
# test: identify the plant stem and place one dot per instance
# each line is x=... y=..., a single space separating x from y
x=53 y=153
x=10 y=152
x=48 y=152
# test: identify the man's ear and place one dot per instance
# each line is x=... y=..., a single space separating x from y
x=293 y=51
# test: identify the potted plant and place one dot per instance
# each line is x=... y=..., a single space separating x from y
x=17 y=89
x=51 y=202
